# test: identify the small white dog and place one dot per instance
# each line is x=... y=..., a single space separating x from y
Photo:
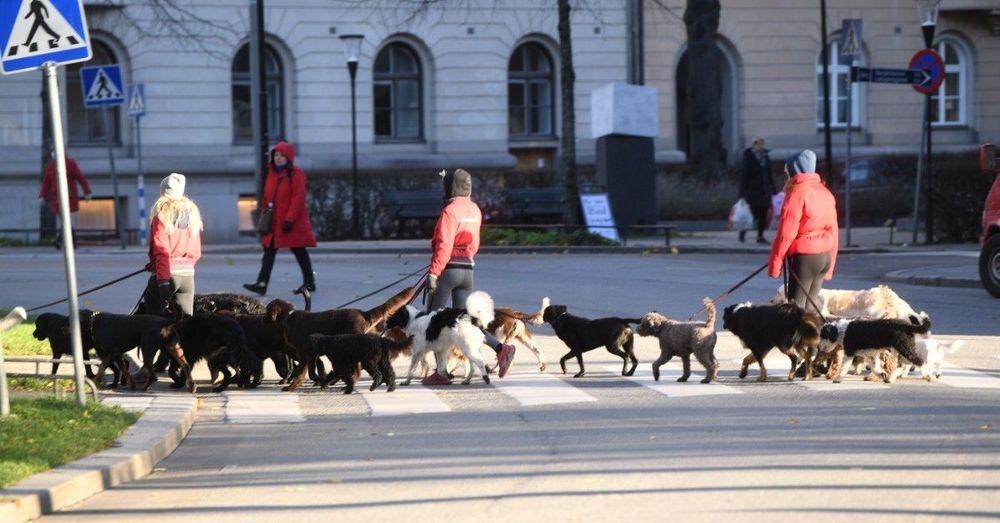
x=933 y=352
x=441 y=330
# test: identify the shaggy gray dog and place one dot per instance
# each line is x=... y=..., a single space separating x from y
x=683 y=338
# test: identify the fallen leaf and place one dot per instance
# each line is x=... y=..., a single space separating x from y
x=793 y=421
x=987 y=426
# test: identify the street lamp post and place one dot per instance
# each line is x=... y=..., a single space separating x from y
x=928 y=11
x=352 y=52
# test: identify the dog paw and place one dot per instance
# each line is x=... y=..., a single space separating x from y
x=486 y=378
x=706 y=380
x=287 y=388
x=743 y=374
x=761 y=379
x=541 y=367
x=682 y=379
x=578 y=375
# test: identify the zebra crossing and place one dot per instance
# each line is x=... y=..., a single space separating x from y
x=262 y=406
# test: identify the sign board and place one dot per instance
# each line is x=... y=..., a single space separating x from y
x=34 y=32
x=889 y=76
x=931 y=63
x=102 y=85
x=850 y=40
x=597 y=215
x=136 y=100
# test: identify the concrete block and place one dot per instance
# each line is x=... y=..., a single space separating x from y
x=623 y=109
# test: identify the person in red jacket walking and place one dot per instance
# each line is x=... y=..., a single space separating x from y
x=807 y=233
x=454 y=246
x=49 y=192
x=174 y=248
x=285 y=195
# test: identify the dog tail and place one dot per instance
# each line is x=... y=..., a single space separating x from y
x=955 y=346
x=710 y=307
x=387 y=309
x=536 y=318
x=920 y=324
x=480 y=307
x=395 y=345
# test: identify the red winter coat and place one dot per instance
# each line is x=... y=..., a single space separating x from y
x=456 y=234
x=50 y=189
x=808 y=223
x=289 y=199
x=171 y=251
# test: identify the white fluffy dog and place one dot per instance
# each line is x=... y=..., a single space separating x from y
x=438 y=331
x=876 y=303
x=933 y=352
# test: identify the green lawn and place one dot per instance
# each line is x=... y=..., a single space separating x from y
x=19 y=341
x=42 y=433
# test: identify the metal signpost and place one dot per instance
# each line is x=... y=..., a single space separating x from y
x=930 y=63
x=34 y=37
x=102 y=87
x=136 y=110
x=850 y=50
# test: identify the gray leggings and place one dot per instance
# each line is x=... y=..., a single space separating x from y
x=456 y=283
x=183 y=288
x=810 y=270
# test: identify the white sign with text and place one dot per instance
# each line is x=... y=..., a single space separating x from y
x=597 y=215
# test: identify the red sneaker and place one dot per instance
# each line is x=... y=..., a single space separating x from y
x=505 y=358
x=436 y=379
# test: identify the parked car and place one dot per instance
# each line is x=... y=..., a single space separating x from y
x=989 y=255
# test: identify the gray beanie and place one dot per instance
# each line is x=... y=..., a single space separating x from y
x=457 y=183
x=173 y=186
x=803 y=162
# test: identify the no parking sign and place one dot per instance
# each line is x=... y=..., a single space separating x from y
x=932 y=64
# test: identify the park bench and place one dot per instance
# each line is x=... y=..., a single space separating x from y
x=535 y=201
x=422 y=206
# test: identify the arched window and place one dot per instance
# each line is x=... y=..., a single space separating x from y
x=839 y=82
x=242 y=116
x=397 y=93
x=87 y=126
x=530 y=92
x=953 y=89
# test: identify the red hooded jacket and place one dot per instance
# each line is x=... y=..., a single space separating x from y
x=456 y=234
x=808 y=223
x=287 y=191
x=50 y=189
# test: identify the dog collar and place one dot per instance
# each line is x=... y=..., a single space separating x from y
x=557 y=318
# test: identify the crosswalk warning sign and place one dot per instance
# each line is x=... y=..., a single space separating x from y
x=136 y=100
x=39 y=31
x=102 y=85
x=850 y=39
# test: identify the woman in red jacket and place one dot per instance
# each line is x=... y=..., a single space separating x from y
x=174 y=248
x=807 y=233
x=50 y=192
x=285 y=195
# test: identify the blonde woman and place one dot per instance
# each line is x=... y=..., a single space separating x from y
x=174 y=248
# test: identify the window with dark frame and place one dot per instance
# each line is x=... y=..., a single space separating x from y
x=87 y=126
x=530 y=92
x=397 y=94
x=242 y=116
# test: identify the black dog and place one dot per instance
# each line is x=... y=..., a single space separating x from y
x=55 y=328
x=860 y=337
x=226 y=301
x=115 y=334
x=372 y=352
x=266 y=341
x=220 y=341
x=582 y=335
x=760 y=328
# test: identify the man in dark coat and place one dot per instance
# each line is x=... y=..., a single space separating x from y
x=757 y=186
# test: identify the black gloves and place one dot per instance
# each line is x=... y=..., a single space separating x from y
x=286 y=227
x=166 y=295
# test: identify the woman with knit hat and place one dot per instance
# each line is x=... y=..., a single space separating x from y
x=174 y=248
x=807 y=233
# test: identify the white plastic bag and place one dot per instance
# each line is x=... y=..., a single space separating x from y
x=740 y=216
x=776 y=202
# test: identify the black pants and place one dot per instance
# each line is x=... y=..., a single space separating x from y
x=182 y=287
x=456 y=284
x=301 y=256
x=760 y=217
x=810 y=269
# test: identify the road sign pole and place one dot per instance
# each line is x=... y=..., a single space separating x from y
x=920 y=170
x=929 y=175
x=141 y=181
x=67 y=230
x=847 y=179
x=114 y=174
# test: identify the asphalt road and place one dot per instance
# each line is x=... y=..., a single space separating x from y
x=548 y=447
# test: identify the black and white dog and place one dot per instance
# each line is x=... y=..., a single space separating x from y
x=438 y=331
x=868 y=337
x=795 y=331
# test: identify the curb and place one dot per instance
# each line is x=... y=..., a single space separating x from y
x=932 y=281
x=133 y=455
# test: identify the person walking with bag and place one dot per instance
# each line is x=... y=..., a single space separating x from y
x=284 y=221
x=807 y=232
x=454 y=246
x=49 y=192
x=174 y=248
x=757 y=186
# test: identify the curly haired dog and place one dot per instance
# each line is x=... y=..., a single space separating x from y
x=856 y=337
x=760 y=328
x=227 y=301
x=683 y=338
x=372 y=352
x=583 y=334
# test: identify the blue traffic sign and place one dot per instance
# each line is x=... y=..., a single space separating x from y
x=38 y=31
x=850 y=40
x=136 y=100
x=102 y=85
x=889 y=76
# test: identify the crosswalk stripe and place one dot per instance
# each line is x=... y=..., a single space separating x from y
x=540 y=388
x=262 y=407
x=670 y=387
x=412 y=399
x=778 y=366
x=132 y=403
x=963 y=378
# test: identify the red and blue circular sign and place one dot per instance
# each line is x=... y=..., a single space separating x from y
x=930 y=63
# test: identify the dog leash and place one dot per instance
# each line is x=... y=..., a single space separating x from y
x=88 y=291
x=370 y=294
x=730 y=291
x=808 y=297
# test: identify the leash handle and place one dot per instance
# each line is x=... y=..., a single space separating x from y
x=88 y=291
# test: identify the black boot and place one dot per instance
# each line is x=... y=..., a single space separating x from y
x=259 y=288
x=743 y=236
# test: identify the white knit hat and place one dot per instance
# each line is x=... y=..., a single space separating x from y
x=173 y=186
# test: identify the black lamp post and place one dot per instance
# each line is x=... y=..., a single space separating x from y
x=352 y=52
x=928 y=11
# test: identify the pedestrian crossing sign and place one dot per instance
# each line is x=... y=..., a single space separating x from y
x=136 y=100
x=850 y=40
x=34 y=32
x=102 y=85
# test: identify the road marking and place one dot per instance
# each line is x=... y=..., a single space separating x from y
x=778 y=366
x=412 y=399
x=963 y=378
x=132 y=403
x=539 y=388
x=670 y=387
x=260 y=406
